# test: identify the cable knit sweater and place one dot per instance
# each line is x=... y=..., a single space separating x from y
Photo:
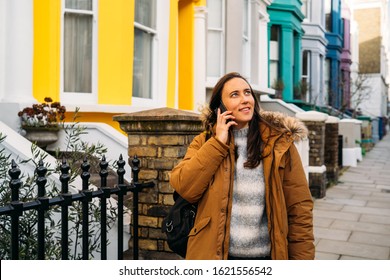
x=248 y=227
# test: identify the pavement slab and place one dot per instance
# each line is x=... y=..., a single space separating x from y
x=352 y=222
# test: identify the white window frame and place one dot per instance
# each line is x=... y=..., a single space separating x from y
x=274 y=56
x=328 y=8
x=308 y=74
x=212 y=80
x=159 y=58
x=78 y=97
x=140 y=101
x=327 y=77
x=307 y=12
x=246 y=43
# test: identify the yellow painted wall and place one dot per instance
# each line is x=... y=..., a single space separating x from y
x=181 y=53
x=95 y=117
x=115 y=55
x=186 y=54
x=46 y=56
x=115 y=51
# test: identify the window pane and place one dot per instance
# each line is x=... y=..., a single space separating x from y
x=246 y=57
x=215 y=11
x=327 y=78
x=142 y=72
x=304 y=8
x=275 y=33
x=214 y=47
x=304 y=63
x=145 y=12
x=274 y=50
x=273 y=72
x=79 y=4
x=78 y=53
x=328 y=15
x=245 y=22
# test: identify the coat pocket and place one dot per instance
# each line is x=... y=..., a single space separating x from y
x=199 y=226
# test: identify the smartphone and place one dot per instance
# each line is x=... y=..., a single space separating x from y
x=223 y=109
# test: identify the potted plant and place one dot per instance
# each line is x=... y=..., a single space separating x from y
x=41 y=122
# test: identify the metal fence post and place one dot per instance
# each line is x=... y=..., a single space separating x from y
x=136 y=187
x=85 y=175
x=103 y=206
x=66 y=201
x=17 y=206
x=41 y=181
x=122 y=192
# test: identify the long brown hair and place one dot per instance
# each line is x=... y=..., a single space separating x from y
x=254 y=144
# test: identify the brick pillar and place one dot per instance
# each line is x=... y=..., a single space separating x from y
x=332 y=149
x=315 y=123
x=159 y=138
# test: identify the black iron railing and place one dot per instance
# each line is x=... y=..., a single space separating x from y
x=43 y=203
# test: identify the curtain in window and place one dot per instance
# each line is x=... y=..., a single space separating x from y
x=79 y=4
x=142 y=70
x=78 y=53
x=78 y=48
x=145 y=13
x=144 y=32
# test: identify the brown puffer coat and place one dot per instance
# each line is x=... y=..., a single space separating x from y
x=205 y=175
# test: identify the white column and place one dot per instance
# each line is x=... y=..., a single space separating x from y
x=315 y=73
x=263 y=48
x=200 y=58
x=18 y=52
x=16 y=59
x=2 y=47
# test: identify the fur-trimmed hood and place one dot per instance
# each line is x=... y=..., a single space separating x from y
x=285 y=124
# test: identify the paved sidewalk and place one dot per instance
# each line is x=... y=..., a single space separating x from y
x=353 y=220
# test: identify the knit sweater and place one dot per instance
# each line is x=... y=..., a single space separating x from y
x=249 y=236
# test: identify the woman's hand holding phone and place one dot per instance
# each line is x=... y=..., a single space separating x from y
x=225 y=120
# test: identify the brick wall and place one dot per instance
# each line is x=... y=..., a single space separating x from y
x=315 y=123
x=331 y=150
x=317 y=179
x=160 y=139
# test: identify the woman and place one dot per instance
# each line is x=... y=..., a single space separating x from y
x=247 y=177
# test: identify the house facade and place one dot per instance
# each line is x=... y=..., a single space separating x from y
x=104 y=57
x=237 y=41
x=372 y=19
x=314 y=46
x=113 y=57
x=285 y=39
x=109 y=58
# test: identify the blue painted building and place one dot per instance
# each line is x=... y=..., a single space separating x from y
x=334 y=35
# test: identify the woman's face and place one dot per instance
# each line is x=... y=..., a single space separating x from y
x=237 y=97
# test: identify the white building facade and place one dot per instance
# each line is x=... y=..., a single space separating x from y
x=314 y=50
